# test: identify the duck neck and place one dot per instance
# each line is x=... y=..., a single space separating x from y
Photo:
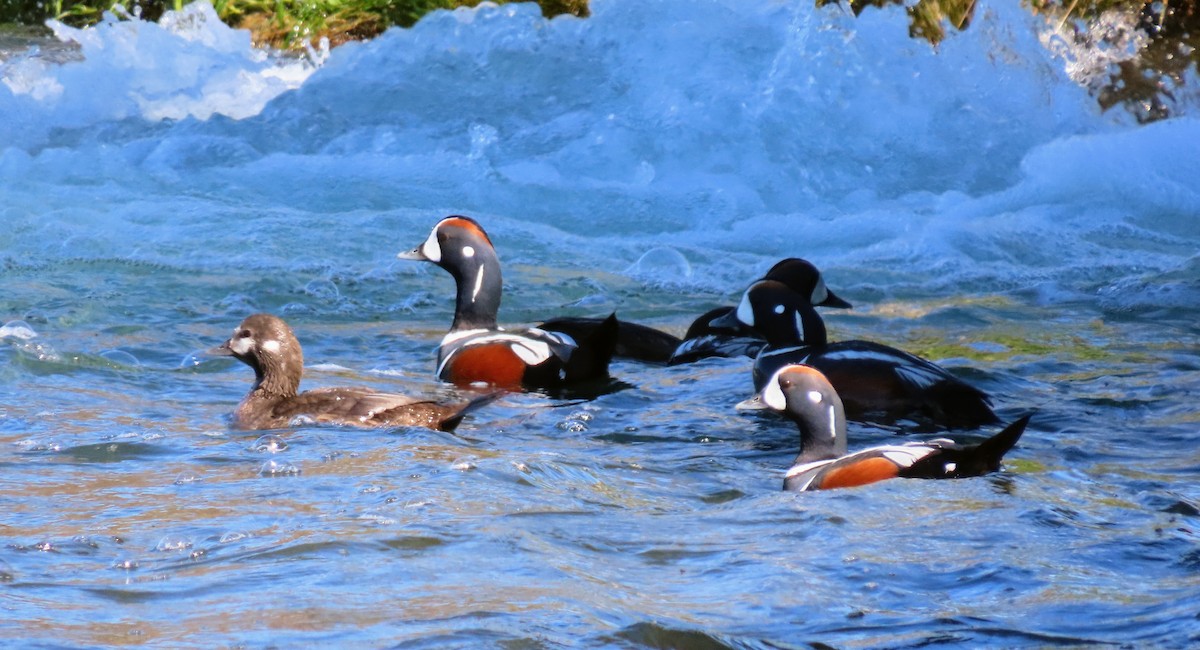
x=274 y=378
x=479 y=290
x=807 y=329
x=822 y=434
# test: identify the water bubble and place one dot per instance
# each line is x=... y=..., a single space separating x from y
x=661 y=265
x=276 y=468
x=32 y=445
x=127 y=564
x=17 y=329
x=169 y=544
x=121 y=358
x=269 y=443
x=231 y=537
x=186 y=478
x=195 y=358
x=464 y=466
x=323 y=290
x=576 y=422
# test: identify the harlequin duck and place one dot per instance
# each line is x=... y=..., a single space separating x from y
x=703 y=339
x=808 y=399
x=876 y=382
x=266 y=343
x=476 y=350
x=716 y=334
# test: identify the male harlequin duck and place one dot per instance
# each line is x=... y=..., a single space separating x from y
x=476 y=350
x=808 y=399
x=718 y=334
x=876 y=382
x=704 y=339
x=266 y=343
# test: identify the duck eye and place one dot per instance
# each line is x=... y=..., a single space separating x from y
x=244 y=334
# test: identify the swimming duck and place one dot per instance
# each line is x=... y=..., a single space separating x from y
x=808 y=399
x=875 y=381
x=266 y=344
x=717 y=334
x=476 y=350
x=704 y=339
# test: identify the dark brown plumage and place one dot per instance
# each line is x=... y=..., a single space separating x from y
x=267 y=344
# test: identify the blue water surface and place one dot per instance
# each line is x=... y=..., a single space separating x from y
x=163 y=181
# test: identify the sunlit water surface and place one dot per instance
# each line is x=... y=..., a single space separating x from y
x=168 y=180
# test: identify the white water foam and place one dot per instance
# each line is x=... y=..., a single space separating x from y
x=730 y=133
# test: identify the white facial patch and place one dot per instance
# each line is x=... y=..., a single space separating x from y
x=779 y=309
x=820 y=293
x=815 y=396
x=745 y=311
x=772 y=395
x=468 y=251
x=431 y=249
x=272 y=346
x=241 y=344
x=478 y=279
x=950 y=467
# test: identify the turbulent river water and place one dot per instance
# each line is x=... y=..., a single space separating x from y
x=159 y=182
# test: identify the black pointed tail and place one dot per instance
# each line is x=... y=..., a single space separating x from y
x=590 y=359
x=956 y=404
x=451 y=423
x=986 y=456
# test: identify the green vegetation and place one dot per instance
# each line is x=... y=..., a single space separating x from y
x=285 y=24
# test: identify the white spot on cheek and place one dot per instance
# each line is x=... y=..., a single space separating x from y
x=468 y=251
x=272 y=346
x=950 y=467
x=814 y=396
x=745 y=312
x=779 y=309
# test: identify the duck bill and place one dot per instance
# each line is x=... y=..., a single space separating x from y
x=728 y=321
x=832 y=300
x=222 y=350
x=753 y=404
x=415 y=255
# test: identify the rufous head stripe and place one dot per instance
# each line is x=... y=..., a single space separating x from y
x=466 y=223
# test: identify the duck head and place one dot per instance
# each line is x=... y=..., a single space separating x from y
x=266 y=344
x=460 y=245
x=807 y=398
x=804 y=278
x=781 y=316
